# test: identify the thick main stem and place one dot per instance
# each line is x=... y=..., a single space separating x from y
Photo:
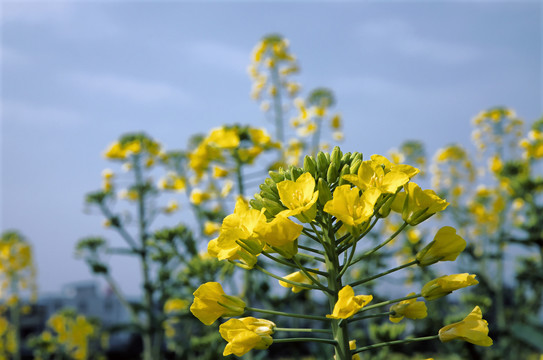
x=277 y=105
x=15 y=317
x=340 y=329
x=149 y=328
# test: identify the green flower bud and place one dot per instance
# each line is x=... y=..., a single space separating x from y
x=295 y=172
x=257 y=203
x=272 y=206
x=322 y=164
x=276 y=176
x=356 y=156
x=333 y=172
x=325 y=194
x=336 y=155
x=310 y=165
x=344 y=171
x=271 y=184
x=267 y=193
x=355 y=165
x=346 y=159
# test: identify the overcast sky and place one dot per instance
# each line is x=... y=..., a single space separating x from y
x=76 y=75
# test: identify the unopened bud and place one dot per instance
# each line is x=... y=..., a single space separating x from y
x=325 y=194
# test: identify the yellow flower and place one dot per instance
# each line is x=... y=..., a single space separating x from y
x=175 y=305
x=211 y=228
x=198 y=196
x=224 y=138
x=299 y=197
x=242 y=225
x=472 y=329
x=246 y=334
x=445 y=285
x=108 y=174
x=335 y=122
x=219 y=172
x=115 y=151
x=411 y=309
x=279 y=232
x=350 y=207
x=297 y=276
x=372 y=175
x=227 y=187
x=172 y=206
x=495 y=164
x=206 y=305
x=446 y=246
x=417 y=205
x=348 y=303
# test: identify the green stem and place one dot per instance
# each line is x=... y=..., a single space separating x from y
x=326 y=341
x=277 y=106
x=369 y=316
x=339 y=329
x=306 y=248
x=395 y=342
x=347 y=263
x=16 y=317
x=286 y=263
x=316 y=136
x=292 y=315
x=366 y=254
x=316 y=258
x=323 y=331
x=362 y=281
x=313 y=280
x=307 y=286
x=384 y=303
x=149 y=329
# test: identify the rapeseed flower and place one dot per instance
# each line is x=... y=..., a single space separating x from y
x=411 y=309
x=350 y=207
x=297 y=276
x=246 y=334
x=446 y=246
x=211 y=303
x=299 y=197
x=417 y=205
x=348 y=303
x=445 y=285
x=472 y=329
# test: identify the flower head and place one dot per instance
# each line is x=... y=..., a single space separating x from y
x=210 y=303
x=246 y=334
x=371 y=174
x=411 y=309
x=348 y=303
x=242 y=226
x=350 y=207
x=472 y=329
x=417 y=205
x=446 y=246
x=299 y=197
x=445 y=285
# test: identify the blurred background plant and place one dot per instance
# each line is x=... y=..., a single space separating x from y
x=495 y=200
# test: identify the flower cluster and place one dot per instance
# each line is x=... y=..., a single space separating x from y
x=326 y=208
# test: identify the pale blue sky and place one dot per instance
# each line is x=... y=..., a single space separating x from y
x=75 y=75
